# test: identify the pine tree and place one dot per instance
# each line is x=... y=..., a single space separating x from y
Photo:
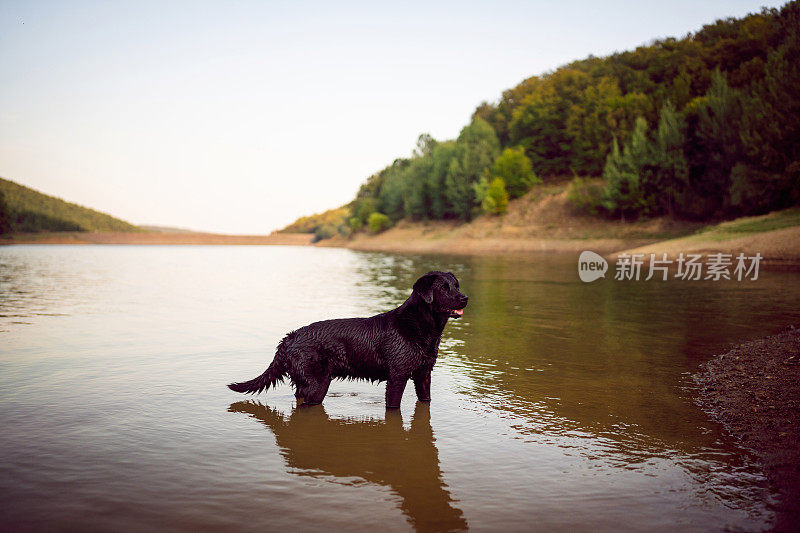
x=626 y=173
x=719 y=119
x=496 y=199
x=476 y=149
x=771 y=128
x=671 y=170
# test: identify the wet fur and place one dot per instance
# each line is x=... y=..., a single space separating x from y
x=395 y=346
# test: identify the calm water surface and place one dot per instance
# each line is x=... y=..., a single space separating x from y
x=557 y=405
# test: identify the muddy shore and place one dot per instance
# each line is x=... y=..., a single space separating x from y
x=754 y=392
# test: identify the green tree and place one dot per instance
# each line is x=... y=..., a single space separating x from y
x=378 y=222
x=756 y=190
x=458 y=190
x=626 y=173
x=5 y=216
x=355 y=224
x=476 y=149
x=771 y=126
x=416 y=196
x=492 y=195
x=718 y=143
x=592 y=123
x=499 y=116
x=390 y=198
x=324 y=232
x=516 y=171
x=425 y=145
x=442 y=157
x=539 y=123
x=362 y=208
x=670 y=176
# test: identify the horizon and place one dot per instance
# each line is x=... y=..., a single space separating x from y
x=240 y=119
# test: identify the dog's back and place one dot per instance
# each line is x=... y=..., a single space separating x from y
x=341 y=348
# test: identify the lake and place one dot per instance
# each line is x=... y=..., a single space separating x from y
x=557 y=404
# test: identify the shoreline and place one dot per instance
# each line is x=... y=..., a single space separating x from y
x=409 y=242
x=544 y=221
x=780 y=249
x=753 y=390
x=156 y=238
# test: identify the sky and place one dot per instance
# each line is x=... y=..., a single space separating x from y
x=238 y=117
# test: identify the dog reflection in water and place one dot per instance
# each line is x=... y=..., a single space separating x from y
x=377 y=451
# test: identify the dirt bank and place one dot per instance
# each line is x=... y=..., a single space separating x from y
x=147 y=237
x=451 y=239
x=754 y=391
x=545 y=221
x=541 y=221
x=776 y=236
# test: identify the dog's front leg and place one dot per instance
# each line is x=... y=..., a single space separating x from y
x=422 y=384
x=394 y=391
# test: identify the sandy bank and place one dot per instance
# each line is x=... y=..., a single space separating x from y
x=541 y=221
x=424 y=239
x=779 y=247
x=754 y=391
x=544 y=221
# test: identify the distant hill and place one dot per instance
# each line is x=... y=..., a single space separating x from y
x=322 y=225
x=23 y=209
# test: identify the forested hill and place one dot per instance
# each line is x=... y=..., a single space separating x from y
x=25 y=210
x=702 y=127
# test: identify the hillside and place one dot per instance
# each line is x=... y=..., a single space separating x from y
x=703 y=128
x=27 y=210
x=544 y=220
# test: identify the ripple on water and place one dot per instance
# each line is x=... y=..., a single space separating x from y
x=554 y=403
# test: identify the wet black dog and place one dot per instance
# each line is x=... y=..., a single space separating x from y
x=392 y=347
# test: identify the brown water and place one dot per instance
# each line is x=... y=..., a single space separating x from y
x=557 y=405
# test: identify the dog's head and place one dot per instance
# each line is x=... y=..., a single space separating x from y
x=440 y=291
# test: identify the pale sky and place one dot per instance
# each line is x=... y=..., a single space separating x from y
x=238 y=116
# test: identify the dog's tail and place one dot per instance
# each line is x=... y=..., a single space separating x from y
x=273 y=374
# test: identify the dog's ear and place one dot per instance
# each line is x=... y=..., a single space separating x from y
x=424 y=287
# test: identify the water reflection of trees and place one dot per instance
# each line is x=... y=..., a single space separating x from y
x=608 y=359
x=378 y=451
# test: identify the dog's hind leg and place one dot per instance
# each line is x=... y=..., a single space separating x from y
x=298 y=396
x=316 y=390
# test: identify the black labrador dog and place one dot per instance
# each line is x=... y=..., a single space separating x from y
x=392 y=347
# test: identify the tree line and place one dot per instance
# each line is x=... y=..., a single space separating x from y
x=704 y=127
